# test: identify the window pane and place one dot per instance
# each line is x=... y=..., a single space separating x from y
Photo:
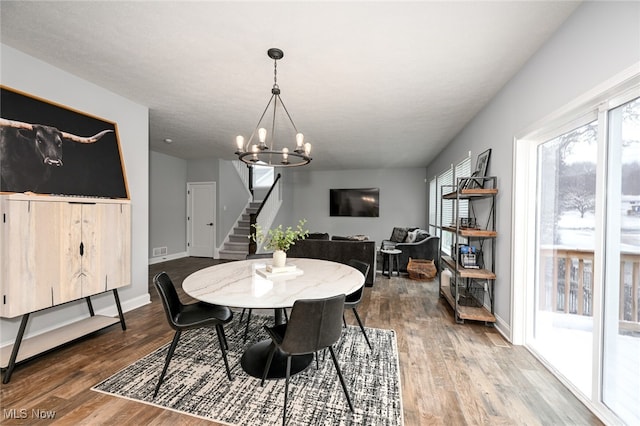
x=563 y=315
x=262 y=176
x=621 y=355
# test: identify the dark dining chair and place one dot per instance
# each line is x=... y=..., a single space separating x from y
x=246 y=329
x=314 y=324
x=353 y=300
x=184 y=317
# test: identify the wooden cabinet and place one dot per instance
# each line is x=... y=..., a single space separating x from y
x=55 y=250
x=470 y=289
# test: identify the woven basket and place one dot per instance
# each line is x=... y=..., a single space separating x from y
x=422 y=270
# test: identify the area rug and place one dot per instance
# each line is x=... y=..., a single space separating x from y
x=196 y=382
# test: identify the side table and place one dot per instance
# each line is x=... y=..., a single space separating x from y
x=388 y=258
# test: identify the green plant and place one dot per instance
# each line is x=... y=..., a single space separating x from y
x=279 y=238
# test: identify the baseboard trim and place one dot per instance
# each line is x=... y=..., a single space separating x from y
x=160 y=259
x=127 y=305
x=503 y=328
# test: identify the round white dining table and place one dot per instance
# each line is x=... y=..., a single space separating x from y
x=248 y=284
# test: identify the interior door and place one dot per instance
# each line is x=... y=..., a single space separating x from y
x=201 y=202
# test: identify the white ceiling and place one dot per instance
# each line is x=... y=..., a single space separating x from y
x=370 y=84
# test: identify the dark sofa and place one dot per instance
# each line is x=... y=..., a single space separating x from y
x=340 y=251
x=425 y=246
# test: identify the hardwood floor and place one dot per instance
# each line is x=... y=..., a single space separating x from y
x=451 y=374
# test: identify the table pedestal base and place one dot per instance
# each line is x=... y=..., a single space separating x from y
x=255 y=357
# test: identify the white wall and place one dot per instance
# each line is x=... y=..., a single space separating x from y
x=403 y=200
x=600 y=40
x=168 y=201
x=25 y=73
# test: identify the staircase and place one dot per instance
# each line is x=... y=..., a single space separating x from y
x=237 y=246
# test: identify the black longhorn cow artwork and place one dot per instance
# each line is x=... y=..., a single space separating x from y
x=49 y=149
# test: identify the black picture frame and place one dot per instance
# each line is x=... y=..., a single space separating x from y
x=482 y=164
x=87 y=162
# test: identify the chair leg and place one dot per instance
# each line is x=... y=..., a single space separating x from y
x=172 y=349
x=222 y=342
x=286 y=390
x=246 y=329
x=342 y=382
x=224 y=338
x=267 y=366
x=242 y=314
x=344 y=321
x=362 y=328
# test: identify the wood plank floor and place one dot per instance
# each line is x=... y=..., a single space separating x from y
x=451 y=374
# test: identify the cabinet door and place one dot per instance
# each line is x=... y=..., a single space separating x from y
x=116 y=245
x=30 y=255
x=69 y=286
x=106 y=235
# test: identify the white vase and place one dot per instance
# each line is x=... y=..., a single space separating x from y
x=279 y=258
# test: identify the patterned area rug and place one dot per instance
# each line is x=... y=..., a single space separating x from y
x=196 y=382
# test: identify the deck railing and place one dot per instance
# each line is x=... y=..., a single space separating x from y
x=568 y=286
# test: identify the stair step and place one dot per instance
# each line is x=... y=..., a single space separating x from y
x=232 y=255
x=244 y=223
x=238 y=239
x=240 y=231
x=236 y=246
x=251 y=210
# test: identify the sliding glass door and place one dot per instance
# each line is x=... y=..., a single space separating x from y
x=584 y=296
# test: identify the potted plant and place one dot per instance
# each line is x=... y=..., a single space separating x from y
x=280 y=240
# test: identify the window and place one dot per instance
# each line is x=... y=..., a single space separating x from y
x=262 y=176
x=444 y=183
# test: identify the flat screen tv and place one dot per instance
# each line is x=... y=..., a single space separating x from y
x=358 y=202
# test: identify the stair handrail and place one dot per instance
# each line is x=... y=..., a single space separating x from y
x=253 y=217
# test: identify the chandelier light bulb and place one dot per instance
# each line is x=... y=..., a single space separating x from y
x=262 y=135
x=299 y=140
x=285 y=153
x=307 y=148
x=240 y=143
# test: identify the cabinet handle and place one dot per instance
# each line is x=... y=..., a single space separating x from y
x=81 y=249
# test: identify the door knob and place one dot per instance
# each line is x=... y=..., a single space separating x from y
x=210 y=224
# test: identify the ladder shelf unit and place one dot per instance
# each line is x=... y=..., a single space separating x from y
x=469 y=290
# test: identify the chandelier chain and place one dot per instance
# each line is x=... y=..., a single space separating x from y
x=275 y=73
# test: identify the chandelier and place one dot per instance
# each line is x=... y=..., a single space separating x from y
x=266 y=153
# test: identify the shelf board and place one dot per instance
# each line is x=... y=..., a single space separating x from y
x=470 y=232
x=483 y=274
x=467 y=312
x=43 y=342
x=465 y=194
